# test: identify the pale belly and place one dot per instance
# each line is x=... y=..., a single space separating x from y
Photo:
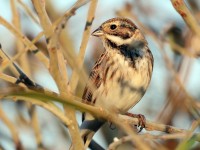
x=124 y=89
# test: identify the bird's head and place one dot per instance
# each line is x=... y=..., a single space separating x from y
x=120 y=31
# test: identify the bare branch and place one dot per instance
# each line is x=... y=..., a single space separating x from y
x=189 y=19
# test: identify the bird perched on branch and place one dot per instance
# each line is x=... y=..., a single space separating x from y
x=120 y=76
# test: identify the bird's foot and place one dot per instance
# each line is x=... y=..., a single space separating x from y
x=141 y=120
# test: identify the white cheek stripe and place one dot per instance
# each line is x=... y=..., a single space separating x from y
x=119 y=41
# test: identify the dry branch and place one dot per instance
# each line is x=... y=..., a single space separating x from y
x=57 y=67
x=85 y=38
x=24 y=63
x=12 y=129
x=29 y=12
x=29 y=45
x=98 y=112
x=189 y=19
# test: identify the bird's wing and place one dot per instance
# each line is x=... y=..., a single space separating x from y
x=95 y=80
x=89 y=127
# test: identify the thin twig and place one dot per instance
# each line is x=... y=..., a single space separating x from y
x=21 y=78
x=68 y=100
x=57 y=63
x=57 y=69
x=96 y=111
x=189 y=19
x=181 y=50
x=29 y=45
x=60 y=23
x=29 y=12
x=10 y=79
x=5 y=61
x=176 y=136
x=188 y=136
x=51 y=107
x=12 y=129
x=151 y=126
x=85 y=38
x=20 y=46
x=25 y=67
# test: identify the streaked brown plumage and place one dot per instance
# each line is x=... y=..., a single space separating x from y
x=122 y=74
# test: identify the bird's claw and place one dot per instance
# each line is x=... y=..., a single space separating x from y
x=141 y=120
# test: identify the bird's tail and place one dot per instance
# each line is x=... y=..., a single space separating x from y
x=88 y=129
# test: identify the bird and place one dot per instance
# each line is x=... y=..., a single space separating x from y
x=120 y=76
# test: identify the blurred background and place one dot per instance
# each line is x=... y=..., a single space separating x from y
x=166 y=101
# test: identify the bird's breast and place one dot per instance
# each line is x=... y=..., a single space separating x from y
x=123 y=84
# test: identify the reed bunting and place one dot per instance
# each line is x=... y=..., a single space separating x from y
x=120 y=76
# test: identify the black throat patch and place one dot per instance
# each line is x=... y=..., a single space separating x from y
x=128 y=52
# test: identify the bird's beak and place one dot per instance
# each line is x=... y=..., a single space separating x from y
x=98 y=32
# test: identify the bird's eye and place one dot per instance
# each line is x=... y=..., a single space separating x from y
x=113 y=26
